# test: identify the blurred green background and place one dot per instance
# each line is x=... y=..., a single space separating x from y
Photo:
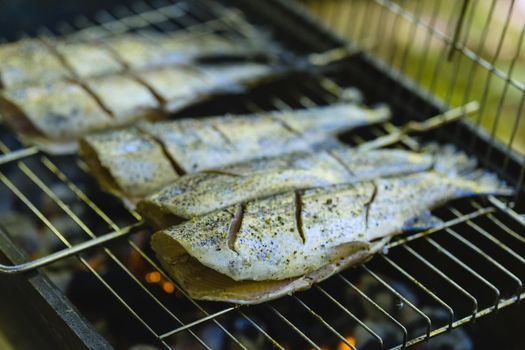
x=414 y=37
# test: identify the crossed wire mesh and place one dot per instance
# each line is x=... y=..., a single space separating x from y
x=456 y=51
x=480 y=227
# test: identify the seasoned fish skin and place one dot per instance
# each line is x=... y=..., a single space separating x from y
x=201 y=282
x=29 y=61
x=275 y=238
x=178 y=83
x=203 y=144
x=87 y=59
x=150 y=50
x=183 y=85
x=199 y=144
x=114 y=92
x=198 y=194
x=339 y=119
x=215 y=142
x=201 y=193
x=62 y=112
x=138 y=166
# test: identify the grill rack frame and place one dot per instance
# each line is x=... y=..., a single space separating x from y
x=330 y=93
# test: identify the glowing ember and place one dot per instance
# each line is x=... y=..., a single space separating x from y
x=153 y=277
x=343 y=346
x=168 y=287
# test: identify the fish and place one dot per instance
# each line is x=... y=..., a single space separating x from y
x=153 y=49
x=204 y=283
x=46 y=60
x=200 y=193
x=289 y=241
x=131 y=153
x=182 y=85
x=54 y=116
x=194 y=145
x=86 y=59
x=29 y=62
x=125 y=98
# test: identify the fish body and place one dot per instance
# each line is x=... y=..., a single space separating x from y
x=54 y=116
x=183 y=85
x=204 y=283
x=43 y=61
x=197 y=194
x=132 y=153
x=151 y=49
x=297 y=233
x=29 y=61
x=127 y=99
x=87 y=59
x=194 y=145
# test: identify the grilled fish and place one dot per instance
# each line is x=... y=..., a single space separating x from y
x=87 y=59
x=29 y=61
x=197 y=144
x=183 y=85
x=131 y=153
x=300 y=233
x=125 y=98
x=204 y=283
x=54 y=116
x=200 y=193
x=155 y=50
x=43 y=61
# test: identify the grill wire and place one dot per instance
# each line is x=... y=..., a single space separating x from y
x=487 y=231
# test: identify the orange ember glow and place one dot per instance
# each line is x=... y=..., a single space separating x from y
x=153 y=277
x=343 y=346
x=168 y=287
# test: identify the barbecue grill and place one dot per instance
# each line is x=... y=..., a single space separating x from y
x=80 y=274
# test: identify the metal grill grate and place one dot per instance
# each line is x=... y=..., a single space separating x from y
x=480 y=241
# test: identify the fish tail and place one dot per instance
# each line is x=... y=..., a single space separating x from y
x=482 y=182
x=489 y=183
x=449 y=161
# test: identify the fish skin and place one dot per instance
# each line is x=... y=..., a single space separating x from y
x=220 y=141
x=139 y=163
x=114 y=92
x=29 y=62
x=269 y=244
x=203 y=144
x=183 y=85
x=315 y=123
x=40 y=61
x=151 y=49
x=60 y=112
x=201 y=193
x=203 y=283
x=87 y=59
x=200 y=144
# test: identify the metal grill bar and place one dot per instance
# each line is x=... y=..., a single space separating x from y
x=446 y=278
x=349 y=313
x=467 y=268
x=422 y=287
x=485 y=256
x=379 y=308
x=395 y=8
x=294 y=327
